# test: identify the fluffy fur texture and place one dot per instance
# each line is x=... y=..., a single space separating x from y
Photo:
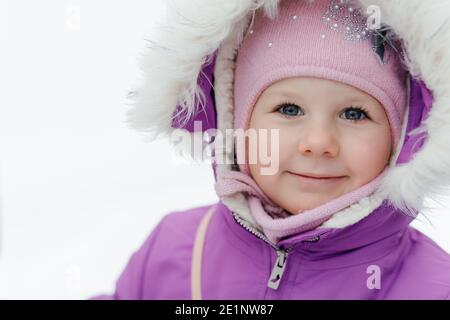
x=196 y=29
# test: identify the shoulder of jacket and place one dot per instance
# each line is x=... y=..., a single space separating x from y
x=174 y=235
x=430 y=260
x=182 y=225
x=170 y=243
x=429 y=246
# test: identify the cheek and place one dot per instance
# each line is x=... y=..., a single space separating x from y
x=280 y=145
x=368 y=153
x=288 y=144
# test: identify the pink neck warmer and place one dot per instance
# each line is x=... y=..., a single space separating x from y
x=274 y=220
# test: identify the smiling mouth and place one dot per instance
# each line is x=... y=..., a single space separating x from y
x=308 y=180
x=318 y=177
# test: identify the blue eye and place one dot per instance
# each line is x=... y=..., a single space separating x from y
x=288 y=109
x=354 y=114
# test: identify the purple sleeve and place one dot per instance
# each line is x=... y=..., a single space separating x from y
x=129 y=283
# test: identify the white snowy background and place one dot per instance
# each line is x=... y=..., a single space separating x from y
x=79 y=191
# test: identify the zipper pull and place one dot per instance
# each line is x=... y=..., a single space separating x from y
x=278 y=269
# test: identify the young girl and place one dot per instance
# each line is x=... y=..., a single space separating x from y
x=357 y=93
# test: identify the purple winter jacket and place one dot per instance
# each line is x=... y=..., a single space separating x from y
x=378 y=257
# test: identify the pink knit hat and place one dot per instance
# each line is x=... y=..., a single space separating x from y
x=324 y=39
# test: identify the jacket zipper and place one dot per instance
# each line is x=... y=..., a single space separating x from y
x=282 y=254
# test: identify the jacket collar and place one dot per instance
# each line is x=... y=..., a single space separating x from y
x=382 y=229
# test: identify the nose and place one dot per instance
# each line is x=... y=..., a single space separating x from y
x=318 y=140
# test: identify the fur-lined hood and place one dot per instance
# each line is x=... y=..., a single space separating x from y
x=188 y=76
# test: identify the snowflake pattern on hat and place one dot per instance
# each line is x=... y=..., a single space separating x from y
x=342 y=18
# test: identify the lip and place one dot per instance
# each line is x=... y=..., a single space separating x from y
x=308 y=180
x=317 y=176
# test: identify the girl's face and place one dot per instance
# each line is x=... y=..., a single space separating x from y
x=326 y=128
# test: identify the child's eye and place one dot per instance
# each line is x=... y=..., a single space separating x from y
x=288 y=109
x=354 y=114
